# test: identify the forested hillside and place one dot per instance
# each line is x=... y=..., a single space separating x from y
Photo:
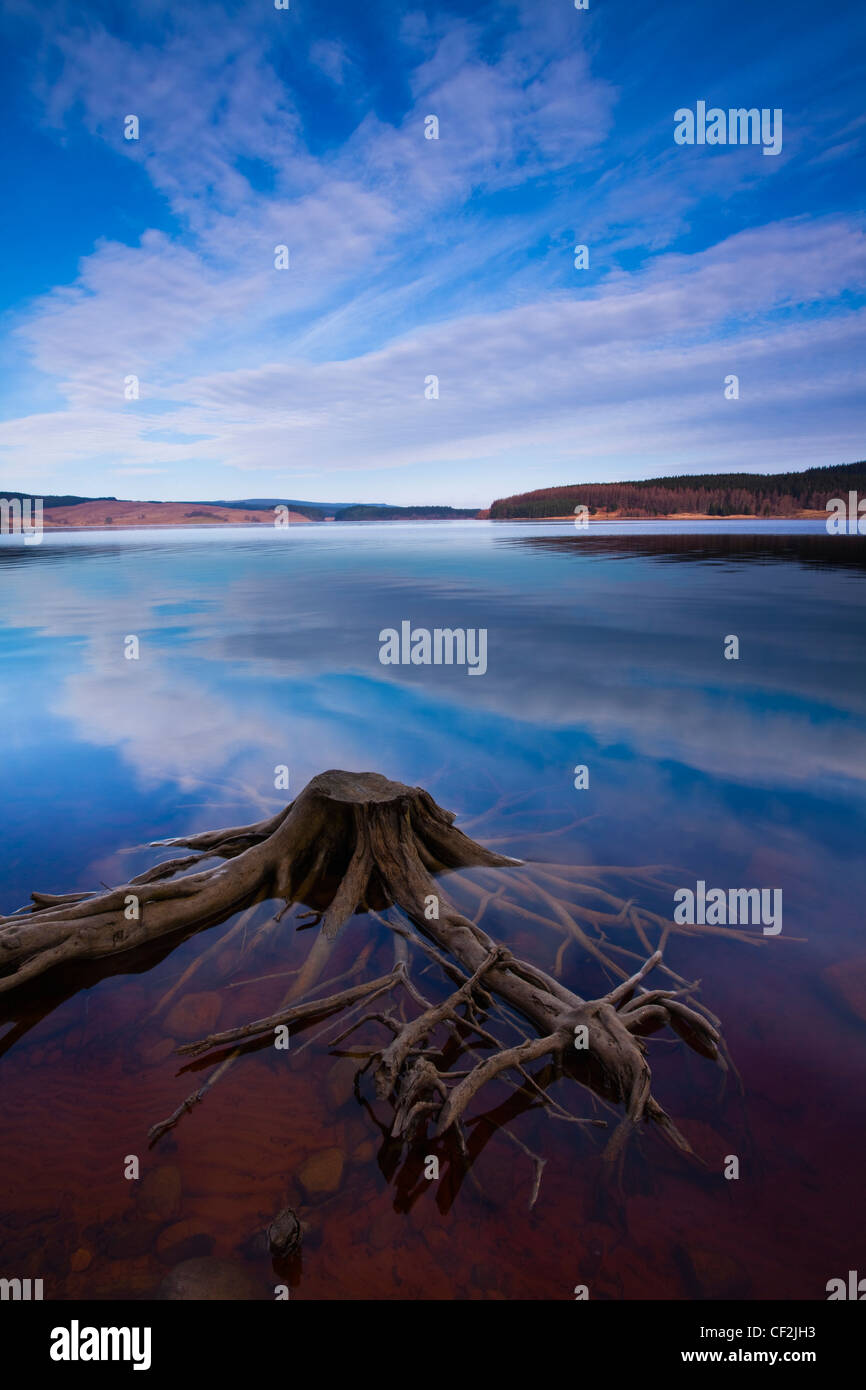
x=713 y=494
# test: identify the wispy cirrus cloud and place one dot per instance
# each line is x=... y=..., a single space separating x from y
x=412 y=257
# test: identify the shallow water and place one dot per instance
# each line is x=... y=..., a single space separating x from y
x=605 y=648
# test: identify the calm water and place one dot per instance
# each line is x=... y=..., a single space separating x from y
x=604 y=649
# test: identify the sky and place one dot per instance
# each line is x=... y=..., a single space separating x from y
x=419 y=266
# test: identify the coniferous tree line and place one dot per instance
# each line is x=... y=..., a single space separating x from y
x=713 y=494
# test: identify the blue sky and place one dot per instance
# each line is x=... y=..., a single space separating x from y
x=411 y=258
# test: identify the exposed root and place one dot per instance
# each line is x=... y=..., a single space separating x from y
x=354 y=843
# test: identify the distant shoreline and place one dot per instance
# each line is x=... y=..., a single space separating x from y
x=144 y=525
x=675 y=516
x=807 y=495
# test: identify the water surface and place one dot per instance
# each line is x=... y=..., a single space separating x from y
x=260 y=650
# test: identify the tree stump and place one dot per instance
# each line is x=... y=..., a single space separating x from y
x=353 y=843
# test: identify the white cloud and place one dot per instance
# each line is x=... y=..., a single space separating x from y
x=394 y=277
x=642 y=357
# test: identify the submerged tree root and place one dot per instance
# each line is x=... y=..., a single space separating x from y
x=360 y=843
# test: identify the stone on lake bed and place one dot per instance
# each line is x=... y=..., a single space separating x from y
x=322 y=1171
x=340 y=1081
x=284 y=1233
x=194 y=1016
x=208 y=1279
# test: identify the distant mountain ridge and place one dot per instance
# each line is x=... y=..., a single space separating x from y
x=354 y=511
x=257 y=509
x=101 y=514
x=54 y=499
x=296 y=505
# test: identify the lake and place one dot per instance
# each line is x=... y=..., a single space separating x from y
x=605 y=650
